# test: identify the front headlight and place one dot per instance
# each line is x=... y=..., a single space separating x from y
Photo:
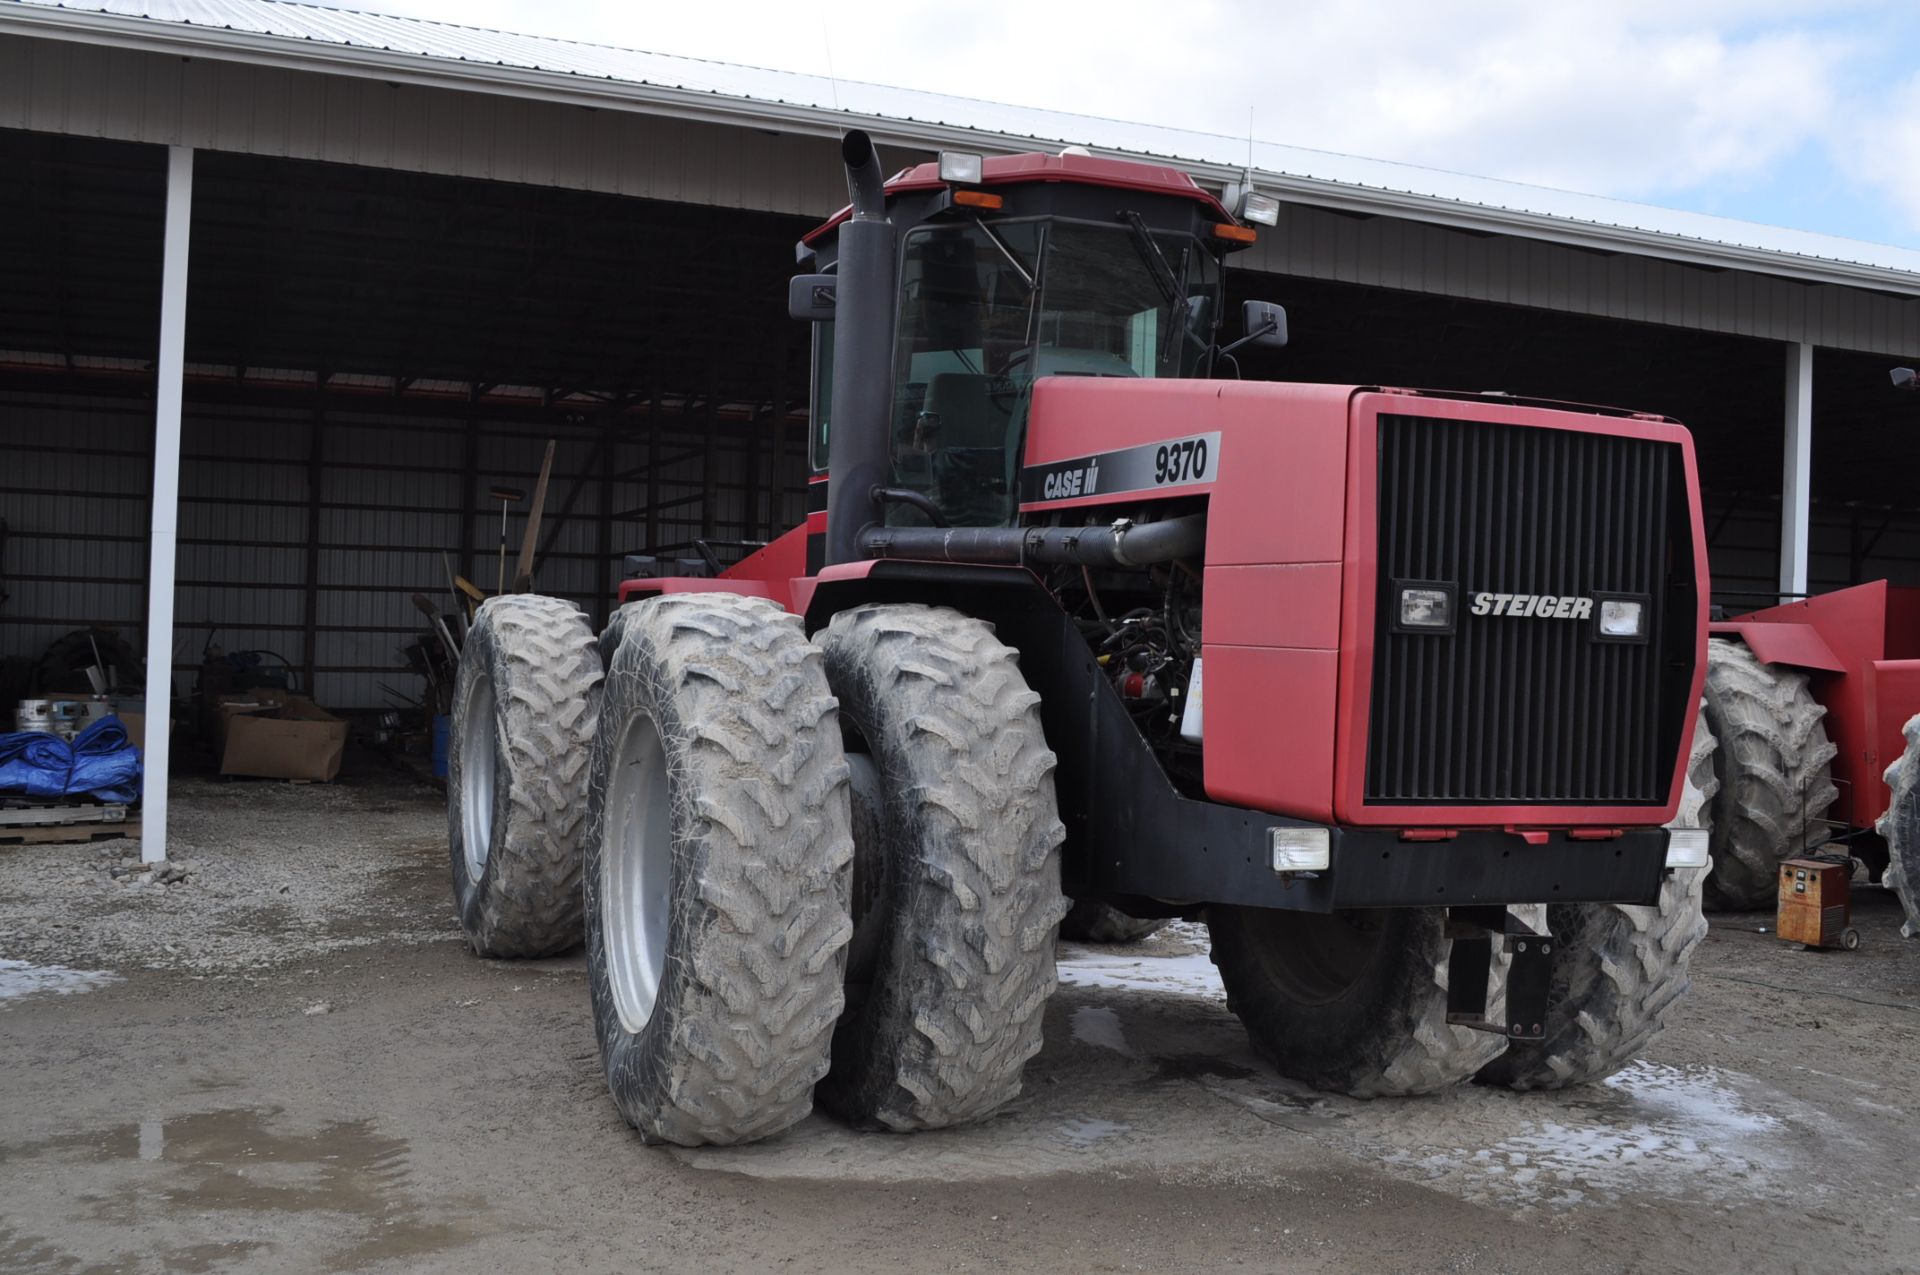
x=1687 y=848
x=1623 y=618
x=1425 y=607
x=1299 y=849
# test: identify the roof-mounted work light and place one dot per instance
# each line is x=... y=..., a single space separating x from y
x=1261 y=210
x=961 y=168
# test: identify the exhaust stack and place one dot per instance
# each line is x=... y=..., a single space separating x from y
x=862 y=355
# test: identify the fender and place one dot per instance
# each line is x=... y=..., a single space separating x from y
x=1795 y=645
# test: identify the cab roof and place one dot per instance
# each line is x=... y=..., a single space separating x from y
x=1083 y=170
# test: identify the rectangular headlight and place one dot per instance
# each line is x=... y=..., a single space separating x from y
x=1300 y=849
x=1623 y=618
x=961 y=168
x=1425 y=607
x=1261 y=210
x=1687 y=848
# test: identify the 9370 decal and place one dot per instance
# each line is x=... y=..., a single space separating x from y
x=1176 y=462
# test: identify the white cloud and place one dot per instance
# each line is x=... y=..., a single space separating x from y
x=1638 y=98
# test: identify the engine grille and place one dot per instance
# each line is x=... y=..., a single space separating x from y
x=1511 y=710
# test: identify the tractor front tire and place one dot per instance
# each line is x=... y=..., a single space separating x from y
x=524 y=706
x=1352 y=1002
x=1773 y=764
x=960 y=897
x=1900 y=827
x=716 y=869
x=1617 y=969
x=1091 y=922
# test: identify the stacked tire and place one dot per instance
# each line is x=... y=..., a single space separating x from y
x=1900 y=828
x=1774 y=771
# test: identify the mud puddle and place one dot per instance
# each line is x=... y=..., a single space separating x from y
x=217 y=1191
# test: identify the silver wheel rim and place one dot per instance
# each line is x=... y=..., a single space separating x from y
x=636 y=872
x=477 y=775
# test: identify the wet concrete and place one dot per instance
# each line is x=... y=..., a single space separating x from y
x=447 y=1114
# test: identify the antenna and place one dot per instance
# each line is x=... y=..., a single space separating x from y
x=826 y=39
x=1249 y=139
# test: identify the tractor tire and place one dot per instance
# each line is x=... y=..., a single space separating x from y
x=958 y=925
x=1900 y=828
x=716 y=868
x=1351 y=1002
x=1617 y=969
x=1090 y=922
x=524 y=705
x=1775 y=779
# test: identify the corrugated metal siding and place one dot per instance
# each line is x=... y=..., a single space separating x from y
x=1412 y=256
x=389 y=47
x=57 y=87
x=75 y=477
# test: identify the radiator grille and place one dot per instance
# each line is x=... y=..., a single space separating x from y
x=1509 y=710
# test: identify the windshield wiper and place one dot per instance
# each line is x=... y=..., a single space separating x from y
x=1165 y=279
x=1026 y=275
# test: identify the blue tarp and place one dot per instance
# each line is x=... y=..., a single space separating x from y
x=99 y=762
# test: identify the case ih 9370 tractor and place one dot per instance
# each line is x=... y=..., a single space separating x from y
x=1395 y=690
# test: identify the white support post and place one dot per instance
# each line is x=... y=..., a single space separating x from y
x=1796 y=470
x=166 y=502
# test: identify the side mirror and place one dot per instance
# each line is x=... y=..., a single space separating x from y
x=810 y=298
x=1265 y=324
x=1903 y=379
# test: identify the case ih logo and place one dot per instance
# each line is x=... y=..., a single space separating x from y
x=1539 y=606
x=1063 y=484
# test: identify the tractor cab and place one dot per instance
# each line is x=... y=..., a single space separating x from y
x=1007 y=270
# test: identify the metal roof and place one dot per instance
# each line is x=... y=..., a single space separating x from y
x=277 y=32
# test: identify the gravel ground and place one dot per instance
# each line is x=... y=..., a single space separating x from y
x=275 y=873
x=290 y=1062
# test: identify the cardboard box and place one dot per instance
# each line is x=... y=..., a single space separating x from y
x=276 y=736
x=136 y=724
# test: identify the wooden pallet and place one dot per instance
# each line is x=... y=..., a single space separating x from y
x=72 y=832
x=34 y=823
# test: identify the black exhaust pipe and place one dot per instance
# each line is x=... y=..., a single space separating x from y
x=859 y=453
x=1123 y=544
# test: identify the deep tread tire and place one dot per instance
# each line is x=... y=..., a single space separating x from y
x=963 y=927
x=1617 y=969
x=1773 y=748
x=759 y=852
x=535 y=657
x=1385 y=1032
x=1091 y=922
x=1900 y=827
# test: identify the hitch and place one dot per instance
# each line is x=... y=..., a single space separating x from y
x=1470 y=966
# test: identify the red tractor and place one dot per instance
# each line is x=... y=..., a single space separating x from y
x=819 y=816
x=1814 y=704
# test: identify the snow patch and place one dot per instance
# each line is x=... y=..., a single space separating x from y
x=1667 y=1132
x=19 y=979
x=1088 y=1132
x=1099 y=1026
x=1192 y=974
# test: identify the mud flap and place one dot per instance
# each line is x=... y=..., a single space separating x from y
x=1469 y=964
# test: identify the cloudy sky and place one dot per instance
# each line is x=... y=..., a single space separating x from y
x=1791 y=112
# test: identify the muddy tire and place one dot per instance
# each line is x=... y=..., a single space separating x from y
x=1900 y=828
x=1352 y=1002
x=1090 y=922
x=524 y=705
x=1773 y=765
x=960 y=919
x=716 y=866
x=1617 y=969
